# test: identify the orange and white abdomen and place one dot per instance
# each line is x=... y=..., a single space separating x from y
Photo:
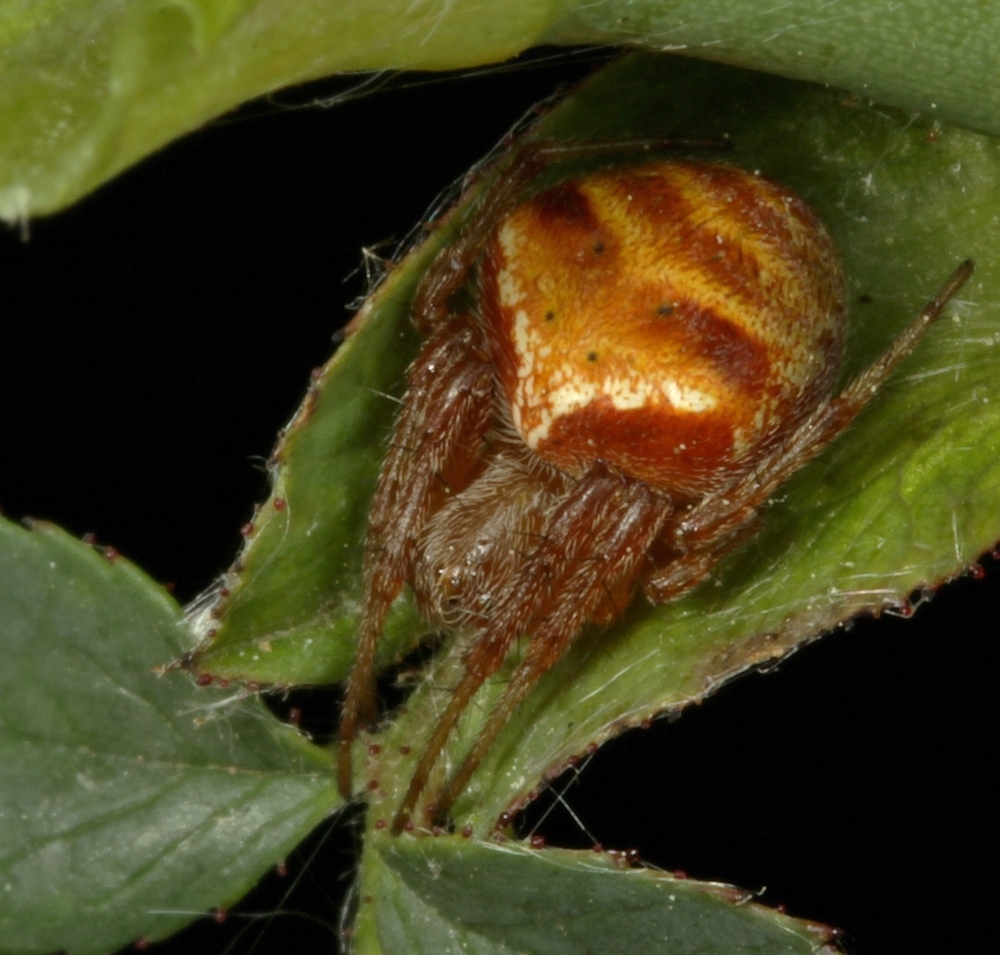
x=671 y=319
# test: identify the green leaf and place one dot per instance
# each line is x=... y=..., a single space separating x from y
x=448 y=895
x=908 y=497
x=288 y=610
x=89 y=87
x=130 y=801
x=926 y=55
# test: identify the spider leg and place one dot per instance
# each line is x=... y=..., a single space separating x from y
x=691 y=567
x=601 y=532
x=510 y=618
x=641 y=514
x=728 y=517
x=830 y=419
x=447 y=410
x=858 y=393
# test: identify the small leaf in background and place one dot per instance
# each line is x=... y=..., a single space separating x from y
x=448 y=895
x=129 y=802
x=88 y=88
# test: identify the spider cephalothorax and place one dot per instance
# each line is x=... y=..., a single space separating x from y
x=650 y=352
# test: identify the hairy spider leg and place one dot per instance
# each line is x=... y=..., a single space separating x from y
x=638 y=518
x=693 y=561
x=447 y=410
x=599 y=534
x=710 y=528
x=528 y=595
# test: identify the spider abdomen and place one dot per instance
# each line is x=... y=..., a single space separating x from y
x=672 y=319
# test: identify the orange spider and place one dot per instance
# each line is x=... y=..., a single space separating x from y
x=650 y=353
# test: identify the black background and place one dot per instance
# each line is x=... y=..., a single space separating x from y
x=157 y=335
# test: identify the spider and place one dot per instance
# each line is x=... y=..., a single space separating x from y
x=650 y=351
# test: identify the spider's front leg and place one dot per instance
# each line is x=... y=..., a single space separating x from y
x=437 y=438
x=595 y=540
x=695 y=556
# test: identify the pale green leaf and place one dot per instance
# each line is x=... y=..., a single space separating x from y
x=89 y=87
